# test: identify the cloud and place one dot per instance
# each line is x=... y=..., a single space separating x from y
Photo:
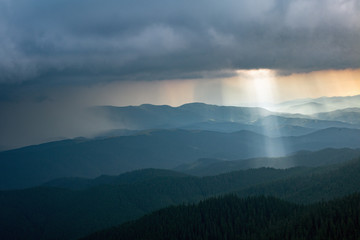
x=91 y=41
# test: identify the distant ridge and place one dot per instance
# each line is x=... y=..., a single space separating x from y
x=348 y=115
x=163 y=116
x=322 y=104
x=210 y=166
x=201 y=116
x=153 y=149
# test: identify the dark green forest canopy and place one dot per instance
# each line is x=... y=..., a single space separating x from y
x=231 y=217
x=44 y=213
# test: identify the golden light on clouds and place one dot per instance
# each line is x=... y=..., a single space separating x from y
x=257 y=87
x=321 y=83
x=265 y=86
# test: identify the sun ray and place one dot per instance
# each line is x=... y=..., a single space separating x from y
x=264 y=89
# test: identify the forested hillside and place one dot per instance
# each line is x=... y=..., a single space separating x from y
x=251 y=218
x=71 y=209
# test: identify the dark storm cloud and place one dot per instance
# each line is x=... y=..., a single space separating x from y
x=91 y=40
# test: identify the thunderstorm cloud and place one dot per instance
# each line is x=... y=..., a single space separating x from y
x=84 y=41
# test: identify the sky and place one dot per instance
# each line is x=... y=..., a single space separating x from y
x=59 y=57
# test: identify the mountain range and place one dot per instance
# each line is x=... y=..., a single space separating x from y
x=213 y=166
x=155 y=156
x=200 y=116
x=69 y=209
x=316 y=105
x=34 y=165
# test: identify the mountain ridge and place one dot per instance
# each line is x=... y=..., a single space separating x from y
x=48 y=209
x=156 y=149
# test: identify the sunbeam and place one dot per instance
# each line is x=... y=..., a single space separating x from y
x=264 y=88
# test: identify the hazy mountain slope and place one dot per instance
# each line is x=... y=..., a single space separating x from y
x=273 y=121
x=125 y=178
x=340 y=102
x=154 y=149
x=326 y=138
x=154 y=116
x=349 y=115
x=207 y=166
x=200 y=116
x=307 y=108
x=326 y=103
x=92 y=158
x=270 y=130
x=230 y=218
